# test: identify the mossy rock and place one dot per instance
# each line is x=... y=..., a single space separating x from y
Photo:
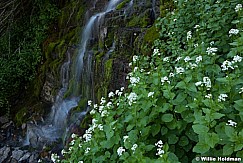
x=21 y=116
x=122 y=4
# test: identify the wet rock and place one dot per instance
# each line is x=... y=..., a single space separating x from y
x=17 y=154
x=4 y=153
x=25 y=156
x=3 y=119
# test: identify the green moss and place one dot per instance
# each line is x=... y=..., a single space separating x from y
x=140 y=21
x=151 y=35
x=21 y=116
x=165 y=7
x=122 y=4
x=82 y=103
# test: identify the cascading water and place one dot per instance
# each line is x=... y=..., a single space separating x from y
x=55 y=126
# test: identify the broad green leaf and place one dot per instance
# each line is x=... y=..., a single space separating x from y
x=191 y=87
x=172 y=139
x=164 y=130
x=181 y=85
x=179 y=98
x=183 y=141
x=201 y=148
x=228 y=149
x=216 y=115
x=211 y=139
x=155 y=129
x=222 y=80
x=229 y=131
x=167 y=117
x=200 y=129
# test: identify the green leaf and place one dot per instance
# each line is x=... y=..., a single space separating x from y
x=164 y=130
x=229 y=131
x=200 y=129
x=172 y=139
x=183 y=141
x=167 y=118
x=216 y=115
x=201 y=148
x=148 y=147
x=228 y=149
x=181 y=85
x=156 y=129
x=191 y=87
x=180 y=108
x=179 y=98
x=222 y=80
x=211 y=139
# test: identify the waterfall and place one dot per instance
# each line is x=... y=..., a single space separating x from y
x=55 y=126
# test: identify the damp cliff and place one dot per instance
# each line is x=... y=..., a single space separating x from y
x=125 y=29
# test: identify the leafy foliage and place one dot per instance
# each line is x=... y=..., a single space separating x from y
x=188 y=94
x=20 y=49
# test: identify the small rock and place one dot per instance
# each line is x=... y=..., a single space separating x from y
x=4 y=152
x=25 y=157
x=17 y=154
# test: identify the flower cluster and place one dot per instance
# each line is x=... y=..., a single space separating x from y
x=222 y=97
x=160 y=150
x=233 y=32
x=238 y=7
x=231 y=123
x=206 y=81
x=189 y=35
x=120 y=150
x=231 y=64
x=166 y=79
x=156 y=52
x=211 y=50
x=179 y=70
x=132 y=98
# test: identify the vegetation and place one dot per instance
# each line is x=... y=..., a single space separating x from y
x=183 y=101
x=20 y=49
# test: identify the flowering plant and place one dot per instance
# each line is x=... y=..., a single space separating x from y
x=184 y=101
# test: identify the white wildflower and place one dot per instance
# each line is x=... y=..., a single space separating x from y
x=222 y=97
x=92 y=112
x=197 y=26
x=187 y=58
x=211 y=43
x=166 y=59
x=238 y=7
x=226 y=65
x=159 y=144
x=100 y=127
x=109 y=104
x=207 y=82
x=233 y=32
x=120 y=150
x=102 y=100
x=87 y=150
x=198 y=83
x=178 y=59
x=135 y=58
x=130 y=64
x=195 y=45
x=189 y=35
x=135 y=69
x=160 y=152
x=132 y=97
x=211 y=50
x=198 y=59
x=101 y=108
x=171 y=75
x=179 y=70
x=80 y=162
x=237 y=58
x=125 y=138
x=95 y=106
x=122 y=88
x=231 y=123
x=193 y=65
x=209 y=96
x=111 y=94
x=151 y=94
x=165 y=79
x=134 y=80
x=87 y=136
x=104 y=113
x=73 y=135
x=241 y=90
x=89 y=103
x=134 y=147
